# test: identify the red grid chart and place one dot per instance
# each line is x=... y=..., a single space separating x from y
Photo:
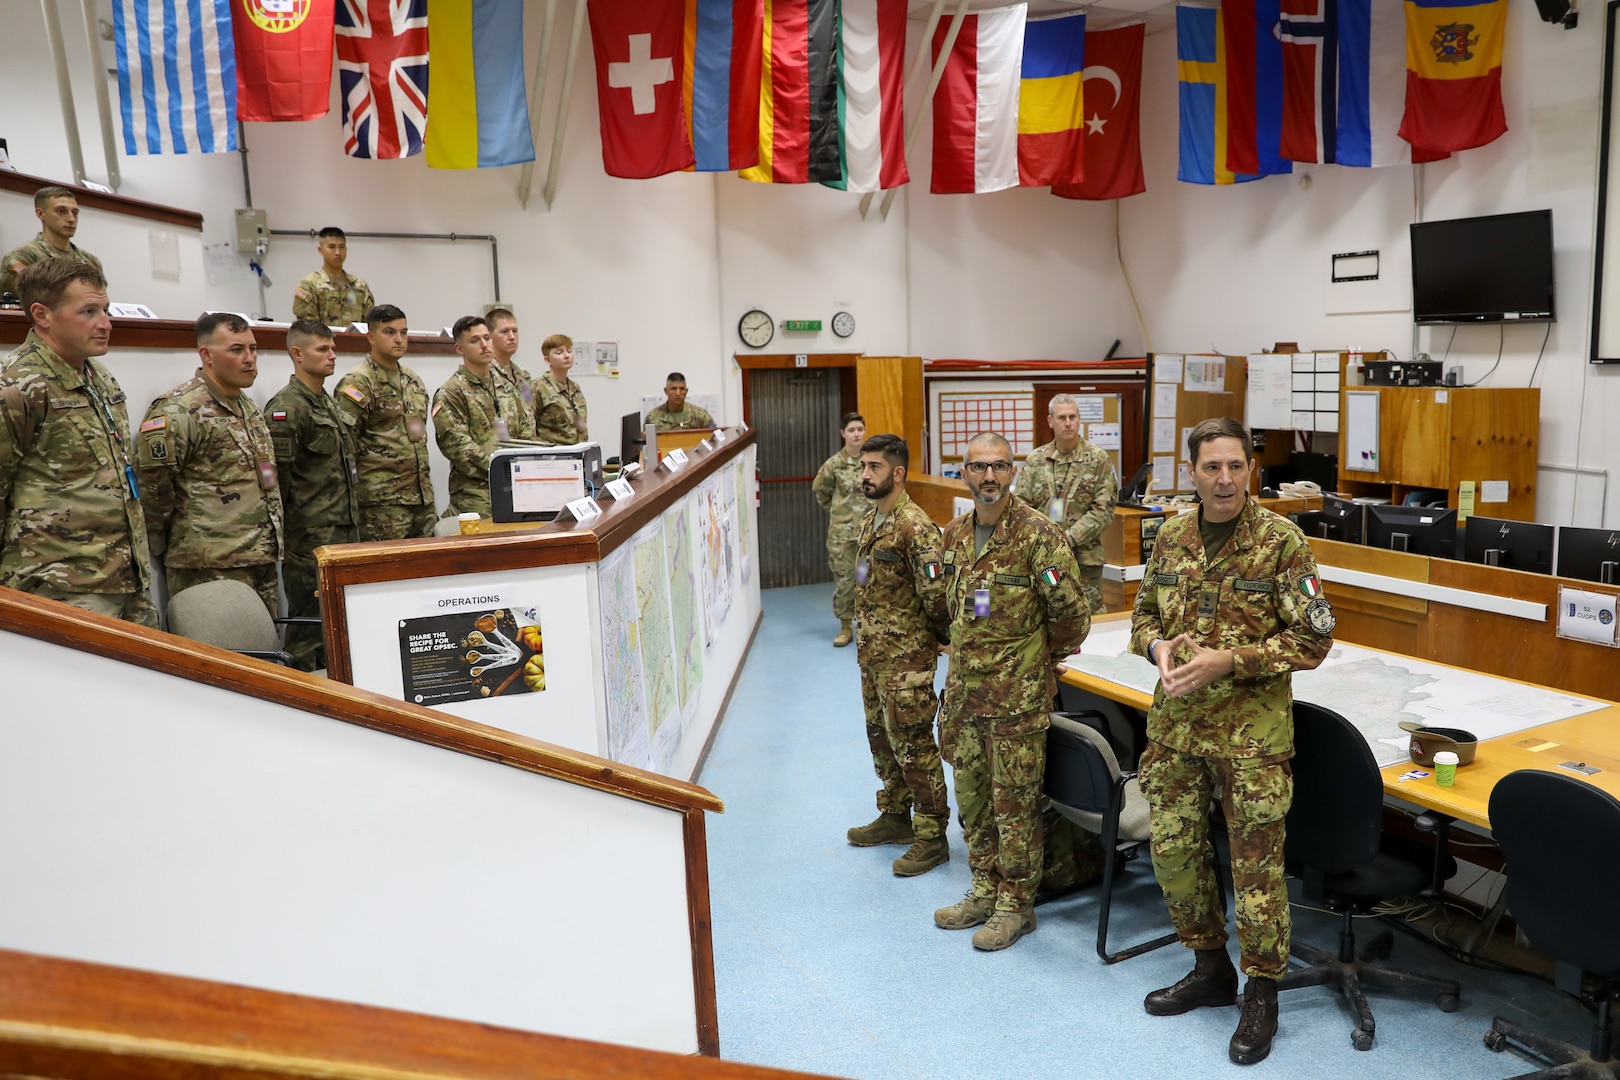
x=963 y=414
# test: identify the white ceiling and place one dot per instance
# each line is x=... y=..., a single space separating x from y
x=1157 y=14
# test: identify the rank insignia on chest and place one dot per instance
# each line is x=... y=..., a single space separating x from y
x=278 y=416
x=1310 y=586
x=1049 y=576
x=1206 y=606
x=355 y=393
x=931 y=571
x=157 y=423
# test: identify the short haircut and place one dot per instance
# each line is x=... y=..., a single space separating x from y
x=304 y=331
x=675 y=376
x=850 y=418
x=498 y=313
x=46 y=281
x=556 y=341
x=892 y=447
x=44 y=195
x=466 y=323
x=331 y=231
x=383 y=313
x=990 y=438
x=1222 y=427
x=1060 y=399
x=216 y=319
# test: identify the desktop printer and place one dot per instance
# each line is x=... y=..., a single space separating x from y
x=534 y=483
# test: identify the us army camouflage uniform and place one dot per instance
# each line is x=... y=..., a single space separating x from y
x=692 y=416
x=388 y=413
x=838 y=489
x=1077 y=489
x=333 y=301
x=34 y=251
x=559 y=412
x=73 y=530
x=1260 y=597
x=208 y=511
x=315 y=463
x=521 y=382
x=900 y=609
x=468 y=414
x=999 y=690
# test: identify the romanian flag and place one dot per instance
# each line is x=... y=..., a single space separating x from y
x=1453 y=74
x=720 y=81
x=478 y=110
x=1230 y=65
x=798 y=95
x=1051 y=119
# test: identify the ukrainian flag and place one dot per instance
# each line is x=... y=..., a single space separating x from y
x=478 y=110
x=1051 y=114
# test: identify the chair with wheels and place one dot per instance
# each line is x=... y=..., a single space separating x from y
x=1559 y=834
x=1347 y=865
x=229 y=614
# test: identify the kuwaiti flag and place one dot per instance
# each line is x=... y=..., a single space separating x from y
x=976 y=105
x=176 y=76
x=1051 y=116
x=720 y=82
x=871 y=94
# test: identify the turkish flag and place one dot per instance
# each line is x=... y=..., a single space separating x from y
x=1113 y=106
x=640 y=57
x=283 y=58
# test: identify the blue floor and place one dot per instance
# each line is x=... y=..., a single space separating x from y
x=825 y=962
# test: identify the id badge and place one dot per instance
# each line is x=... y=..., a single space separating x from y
x=267 y=475
x=502 y=431
x=981 y=603
x=416 y=428
x=129 y=478
x=863 y=572
x=1055 y=509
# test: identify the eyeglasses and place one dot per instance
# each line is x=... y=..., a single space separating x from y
x=977 y=468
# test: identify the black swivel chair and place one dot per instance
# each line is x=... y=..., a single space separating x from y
x=1347 y=865
x=1559 y=835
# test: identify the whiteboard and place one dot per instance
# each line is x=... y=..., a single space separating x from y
x=1268 y=404
x=1361 y=431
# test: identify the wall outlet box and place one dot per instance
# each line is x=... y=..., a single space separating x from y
x=252 y=232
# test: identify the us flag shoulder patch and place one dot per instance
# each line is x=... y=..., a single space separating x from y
x=157 y=423
x=931 y=570
x=1050 y=575
x=354 y=392
x=1310 y=586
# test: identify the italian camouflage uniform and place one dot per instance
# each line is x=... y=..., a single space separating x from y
x=521 y=382
x=1258 y=596
x=37 y=250
x=333 y=301
x=837 y=487
x=998 y=693
x=472 y=416
x=900 y=611
x=691 y=416
x=388 y=412
x=559 y=412
x=315 y=461
x=73 y=529
x=208 y=487
x=1077 y=489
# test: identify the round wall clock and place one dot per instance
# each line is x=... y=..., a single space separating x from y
x=756 y=329
x=843 y=324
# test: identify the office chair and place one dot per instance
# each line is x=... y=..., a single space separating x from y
x=1124 y=727
x=1559 y=834
x=230 y=615
x=1086 y=786
x=1334 y=845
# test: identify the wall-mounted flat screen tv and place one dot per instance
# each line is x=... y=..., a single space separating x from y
x=1483 y=269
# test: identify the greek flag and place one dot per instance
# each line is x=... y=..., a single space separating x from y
x=176 y=75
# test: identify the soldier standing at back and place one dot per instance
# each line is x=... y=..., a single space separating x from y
x=1230 y=607
x=1073 y=482
x=837 y=487
x=503 y=332
x=1016 y=612
x=330 y=295
x=385 y=404
x=317 y=478
x=473 y=413
x=58 y=211
x=208 y=470
x=901 y=619
x=560 y=412
x=71 y=527
x=675 y=413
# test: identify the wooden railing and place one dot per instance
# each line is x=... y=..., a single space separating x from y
x=104 y=200
x=180 y=336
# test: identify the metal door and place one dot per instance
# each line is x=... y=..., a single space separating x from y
x=795 y=412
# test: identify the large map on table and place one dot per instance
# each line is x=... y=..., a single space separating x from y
x=1373 y=690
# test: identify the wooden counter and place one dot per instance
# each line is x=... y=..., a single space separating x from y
x=936 y=495
x=180 y=335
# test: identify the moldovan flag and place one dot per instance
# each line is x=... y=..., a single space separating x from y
x=1454 y=74
x=871 y=95
x=478 y=107
x=283 y=59
x=1114 y=127
x=798 y=95
x=1051 y=119
x=720 y=81
x=1230 y=64
x=638 y=44
x=976 y=105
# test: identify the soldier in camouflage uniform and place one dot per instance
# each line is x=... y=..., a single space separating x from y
x=503 y=330
x=330 y=295
x=473 y=413
x=208 y=470
x=837 y=488
x=58 y=213
x=559 y=403
x=69 y=508
x=900 y=615
x=316 y=476
x=675 y=414
x=1073 y=482
x=1013 y=593
x=1230 y=606
x=385 y=404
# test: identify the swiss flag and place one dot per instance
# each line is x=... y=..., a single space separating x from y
x=640 y=57
x=1113 y=81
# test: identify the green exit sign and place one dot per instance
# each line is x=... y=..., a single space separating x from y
x=790 y=325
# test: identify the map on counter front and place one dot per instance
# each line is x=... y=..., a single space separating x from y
x=629 y=740
x=683 y=598
x=1373 y=690
x=657 y=647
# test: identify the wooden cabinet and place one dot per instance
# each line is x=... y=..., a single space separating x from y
x=889 y=394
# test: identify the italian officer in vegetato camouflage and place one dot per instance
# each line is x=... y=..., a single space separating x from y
x=1016 y=611
x=1074 y=483
x=1230 y=606
x=900 y=623
x=837 y=488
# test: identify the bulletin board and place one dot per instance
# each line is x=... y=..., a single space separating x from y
x=1183 y=390
x=963 y=414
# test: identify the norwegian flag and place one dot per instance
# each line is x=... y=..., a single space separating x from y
x=382 y=48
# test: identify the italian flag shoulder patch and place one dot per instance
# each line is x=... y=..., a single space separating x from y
x=1050 y=575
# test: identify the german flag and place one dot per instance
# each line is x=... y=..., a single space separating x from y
x=798 y=95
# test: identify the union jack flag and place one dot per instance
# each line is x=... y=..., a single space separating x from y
x=382 y=48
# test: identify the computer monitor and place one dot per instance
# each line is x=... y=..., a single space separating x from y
x=1130 y=493
x=1339 y=519
x=1589 y=554
x=630 y=440
x=1421 y=530
x=1517 y=545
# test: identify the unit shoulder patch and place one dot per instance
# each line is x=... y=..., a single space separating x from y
x=1319 y=615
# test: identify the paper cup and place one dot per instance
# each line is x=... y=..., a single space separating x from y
x=469 y=522
x=1445 y=768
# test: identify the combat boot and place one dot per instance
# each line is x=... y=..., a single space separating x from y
x=1212 y=981
x=886 y=829
x=1258 y=1024
x=846 y=633
x=923 y=857
x=969 y=911
x=1002 y=929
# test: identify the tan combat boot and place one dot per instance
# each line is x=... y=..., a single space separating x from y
x=1002 y=929
x=846 y=633
x=969 y=911
x=886 y=829
x=923 y=857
